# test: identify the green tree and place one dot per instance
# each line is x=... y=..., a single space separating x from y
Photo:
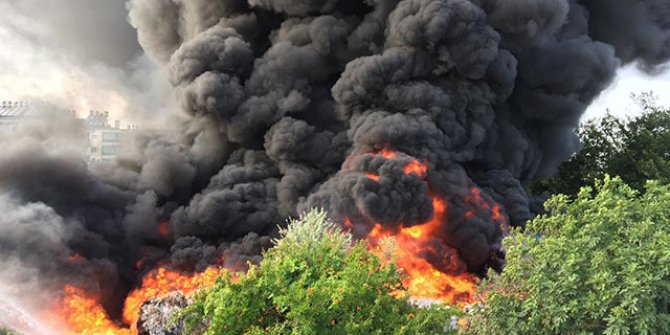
x=597 y=265
x=636 y=149
x=4 y=331
x=315 y=282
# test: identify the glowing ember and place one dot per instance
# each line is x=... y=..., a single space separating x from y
x=372 y=176
x=476 y=202
x=82 y=313
x=416 y=167
x=347 y=224
x=73 y=258
x=388 y=153
x=164 y=229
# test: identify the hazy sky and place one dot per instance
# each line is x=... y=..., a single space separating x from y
x=630 y=80
x=84 y=54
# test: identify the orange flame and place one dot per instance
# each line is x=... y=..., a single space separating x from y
x=476 y=202
x=372 y=176
x=162 y=282
x=81 y=313
x=423 y=279
x=447 y=282
x=417 y=167
x=414 y=166
x=388 y=153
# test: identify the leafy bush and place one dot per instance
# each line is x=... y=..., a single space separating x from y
x=598 y=265
x=314 y=282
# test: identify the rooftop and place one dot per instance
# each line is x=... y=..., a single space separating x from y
x=23 y=108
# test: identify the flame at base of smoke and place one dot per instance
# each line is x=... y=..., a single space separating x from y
x=413 y=247
x=80 y=312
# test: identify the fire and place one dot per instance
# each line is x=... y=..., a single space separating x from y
x=372 y=176
x=75 y=257
x=415 y=166
x=164 y=229
x=432 y=268
x=388 y=153
x=82 y=313
x=162 y=282
x=475 y=200
x=422 y=279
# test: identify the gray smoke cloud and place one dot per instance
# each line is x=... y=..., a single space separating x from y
x=287 y=104
x=90 y=30
x=639 y=30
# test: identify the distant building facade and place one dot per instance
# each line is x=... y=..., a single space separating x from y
x=105 y=141
x=15 y=113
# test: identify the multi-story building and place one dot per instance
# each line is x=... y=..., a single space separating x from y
x=106 y=142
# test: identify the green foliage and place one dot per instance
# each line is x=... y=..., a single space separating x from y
x=637 y=150
x=601 y=266
x=4 y=331
x=314 y=282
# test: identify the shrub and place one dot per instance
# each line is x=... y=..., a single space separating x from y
x=597 y=265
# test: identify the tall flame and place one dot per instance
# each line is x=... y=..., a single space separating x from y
x=82 y=314
x=423 y=280
x=422 y=246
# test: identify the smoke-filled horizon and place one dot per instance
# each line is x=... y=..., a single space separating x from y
x=286 y=105
x=78 y=54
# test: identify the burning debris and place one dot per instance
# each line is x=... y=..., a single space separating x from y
x=423 y=121
x=80 y=311
x=157 y=313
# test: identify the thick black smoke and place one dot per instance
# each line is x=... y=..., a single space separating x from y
x=286 y=104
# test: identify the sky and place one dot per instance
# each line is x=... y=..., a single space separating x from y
x=617 y=98
x=80 y=54
x=83 y=55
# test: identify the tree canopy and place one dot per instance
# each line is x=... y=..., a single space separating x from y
x=636 y=149
x=596 y=265
x=315 y=282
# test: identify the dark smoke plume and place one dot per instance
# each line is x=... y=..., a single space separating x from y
x=284 y=105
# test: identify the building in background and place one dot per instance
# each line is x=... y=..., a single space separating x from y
x=15 y=113
x=105 y=141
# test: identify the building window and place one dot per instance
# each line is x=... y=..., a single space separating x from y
x=111 y=137
x=110 y=150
